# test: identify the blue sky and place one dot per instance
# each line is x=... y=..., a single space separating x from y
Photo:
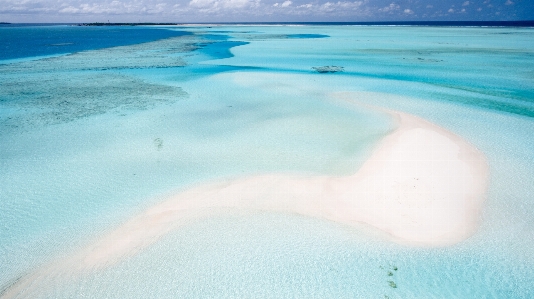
x=262 y=10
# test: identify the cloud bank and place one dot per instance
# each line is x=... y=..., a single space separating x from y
x=261 y=10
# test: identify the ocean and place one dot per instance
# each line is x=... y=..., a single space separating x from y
x=98 y=124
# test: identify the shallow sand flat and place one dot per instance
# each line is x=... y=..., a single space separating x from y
x=422 y=186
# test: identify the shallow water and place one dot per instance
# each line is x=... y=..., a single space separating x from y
x=91 y=138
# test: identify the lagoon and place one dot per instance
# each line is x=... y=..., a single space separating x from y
x=101 y=134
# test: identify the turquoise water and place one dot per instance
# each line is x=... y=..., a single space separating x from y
x=91 y=138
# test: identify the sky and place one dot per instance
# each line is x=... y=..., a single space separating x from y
x=78 y=11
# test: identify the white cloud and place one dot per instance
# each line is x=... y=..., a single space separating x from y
x=208 y=6
x=328 y=7
x=390 y=8
x=106 y=8
x=69 y=9
x=201 y=3
x=341 y=7
x=286 y=3
x=241 y=10
x=235 y=3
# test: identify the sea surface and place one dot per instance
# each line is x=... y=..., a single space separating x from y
x=100 y=123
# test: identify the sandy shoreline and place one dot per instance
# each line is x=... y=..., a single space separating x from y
x=422 y=186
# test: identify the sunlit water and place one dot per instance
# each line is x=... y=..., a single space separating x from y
x=94 y=130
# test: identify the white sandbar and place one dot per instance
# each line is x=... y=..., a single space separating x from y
x=422 y=186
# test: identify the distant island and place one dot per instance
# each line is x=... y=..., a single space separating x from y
x=519 y=23
x=4 y=23
x=124 y=24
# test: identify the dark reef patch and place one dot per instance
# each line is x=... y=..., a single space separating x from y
x=306 y=36
x=66 y=88
x=61 y=99
x=328 y=69
x=140 y=56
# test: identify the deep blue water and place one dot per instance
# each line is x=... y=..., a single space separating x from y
x=518 y=23
x=22 y=42
x=220 y=47
x=306 y=36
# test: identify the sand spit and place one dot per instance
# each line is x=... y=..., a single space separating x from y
x=422 y=186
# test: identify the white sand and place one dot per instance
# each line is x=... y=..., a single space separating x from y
x=422 y=186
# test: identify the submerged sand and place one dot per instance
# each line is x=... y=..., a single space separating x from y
x=421 y=186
